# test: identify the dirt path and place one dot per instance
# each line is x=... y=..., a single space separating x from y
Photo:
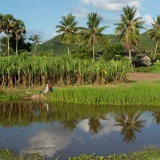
x=144 y=76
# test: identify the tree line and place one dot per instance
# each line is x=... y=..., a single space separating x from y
x=14 y=30
x=127 y=31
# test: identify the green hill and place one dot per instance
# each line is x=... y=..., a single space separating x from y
x=55 y=47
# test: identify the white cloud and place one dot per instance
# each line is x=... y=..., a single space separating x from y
x=48 y=141
x=54 y=34
x=80 y=11
x=148 y=19
x=108 y=125
x=112 y=5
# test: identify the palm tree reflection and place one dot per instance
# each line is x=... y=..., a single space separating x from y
x=95 y=125
x=70 y=124
x=156 y=117
x=130 y=123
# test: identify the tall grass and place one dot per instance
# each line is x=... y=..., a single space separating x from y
x=135 y=94
x=61 y=70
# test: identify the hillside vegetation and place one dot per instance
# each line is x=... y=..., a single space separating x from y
x=54 y=47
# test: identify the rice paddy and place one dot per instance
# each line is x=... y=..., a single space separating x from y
x=144 y=93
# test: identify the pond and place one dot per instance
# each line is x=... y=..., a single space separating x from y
x=64 y=130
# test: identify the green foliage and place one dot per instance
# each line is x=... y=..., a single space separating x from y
x=113 y=95
x=155 y=68
x=113 y=50
x=53 y=46
x=60 y=70
x=82 y=53
x=2 y=93
x=144 y=69
x=8 y=155
x=23 y=46
x=146 y=154
x=128 y=29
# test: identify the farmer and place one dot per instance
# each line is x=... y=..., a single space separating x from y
x=51 y=87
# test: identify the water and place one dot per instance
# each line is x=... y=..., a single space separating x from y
x=61 y=130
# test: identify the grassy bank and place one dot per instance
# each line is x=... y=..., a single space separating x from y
x=136 y=93
x=151 y=154
x=133 y=93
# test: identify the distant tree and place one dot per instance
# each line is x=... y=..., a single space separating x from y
x=18 y=31
x=113 y=51
x=1 y=23
x=7 y=26
x=36 y=40
x=3 y=45
x=154 y=33
x=128 y=28
x=93 y=33
x=23 y=45
x=68 y=28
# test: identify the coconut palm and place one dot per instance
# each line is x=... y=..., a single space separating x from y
x=18 y=31
x=68 y=28
x=7 y=26
x=93 y=33
x=154 y=33
x=1 y=20
x=130 y=123
x=36 y=40
x=128 y=29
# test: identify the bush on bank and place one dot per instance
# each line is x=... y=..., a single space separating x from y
x=146 y=154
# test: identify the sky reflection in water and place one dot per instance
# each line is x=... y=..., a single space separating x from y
x=63 y=138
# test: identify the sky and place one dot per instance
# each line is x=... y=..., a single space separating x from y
x=42 y=16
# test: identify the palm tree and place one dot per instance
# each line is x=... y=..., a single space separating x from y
x=154 y=33
x=130 y=123
x=36 y=40
x=93 y=33
x=1 y=22
x=18 y=31
x=128 y=28
x=68 y=28
x=7 y=26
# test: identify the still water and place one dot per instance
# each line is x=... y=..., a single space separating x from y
x=64 y=130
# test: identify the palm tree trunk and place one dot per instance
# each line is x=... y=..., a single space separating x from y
x=68 y=50
x=16 y=46
x=93 y=48
x=130 y=56
x=35 y=50
x=155 y=50
x=8 y=45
